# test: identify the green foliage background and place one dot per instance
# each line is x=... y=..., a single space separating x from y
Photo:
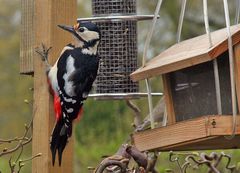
x=105 y=124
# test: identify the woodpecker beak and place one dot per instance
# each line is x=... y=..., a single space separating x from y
x=67 y=28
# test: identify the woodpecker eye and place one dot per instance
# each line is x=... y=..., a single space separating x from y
x=81 y=29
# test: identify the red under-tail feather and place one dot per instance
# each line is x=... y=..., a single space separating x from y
x=57 y=107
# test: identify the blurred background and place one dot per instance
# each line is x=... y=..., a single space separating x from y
x=105 y=124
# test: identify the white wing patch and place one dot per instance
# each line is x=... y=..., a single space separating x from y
x=52 y=75
x=68 y=87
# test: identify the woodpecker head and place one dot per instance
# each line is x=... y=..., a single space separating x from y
x=86 y=34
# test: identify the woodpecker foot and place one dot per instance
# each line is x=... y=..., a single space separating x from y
x=43 y=52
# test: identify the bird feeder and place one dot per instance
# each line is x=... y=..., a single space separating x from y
x=117 y=21
x=187 y=70
x=118 y=47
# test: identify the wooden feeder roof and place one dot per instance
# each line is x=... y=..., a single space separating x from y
x=188 y=53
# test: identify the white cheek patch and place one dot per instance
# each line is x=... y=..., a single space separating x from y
x=88 y=35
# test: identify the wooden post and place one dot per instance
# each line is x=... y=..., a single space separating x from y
x=47 y=14
x=168 y=100
x=237 y=71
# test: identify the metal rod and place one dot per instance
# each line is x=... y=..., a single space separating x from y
x=118 y=18
x=237 y=12
x=215 y=64
x=231 y=64
x=146 y=47
x=121 y=95
x=180 y=22
x=150 y=104
x=205 y=14
x=164 y=121
x=217 y=85
x=150 y=33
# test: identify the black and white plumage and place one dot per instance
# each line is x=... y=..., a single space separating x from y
x=70 y=80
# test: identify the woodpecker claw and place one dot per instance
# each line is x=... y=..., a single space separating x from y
x=43 y=52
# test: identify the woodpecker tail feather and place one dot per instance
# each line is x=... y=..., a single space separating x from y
x=59 y=139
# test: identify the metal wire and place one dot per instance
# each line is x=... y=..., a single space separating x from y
x=117 y=18
x=180 y=22
x=116 y=96
x=217 y=85
x=205 y=14
x=118 y=52
x=231 y=64
x=146 y=46
x=150 y=104
x=237 y=12
x=215 y=64
x=103 y=7
x=150 y=33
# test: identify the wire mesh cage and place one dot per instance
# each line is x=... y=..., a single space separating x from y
x=110 y=7
x=118 y=47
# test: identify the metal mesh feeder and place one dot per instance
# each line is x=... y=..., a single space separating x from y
x=117 y=21
x=110 y=7
x=118 y=50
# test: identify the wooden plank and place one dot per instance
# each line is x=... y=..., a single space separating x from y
x=168 y=100
x=185 y=134
x=223 y=125
x=208 y=143
x=169 y=135
x=27 y=37
x=188 y=145
x=187 y=53
x=47 y=15
x=237 y=71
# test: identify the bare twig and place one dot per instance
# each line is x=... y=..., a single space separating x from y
x=158 y=114
x=16 y=139
x=17 y=165
x=19 y=155
x=21 y=163
x=211 y=161
x=112 y=161
x=22 y=141
x=43 y=52
x=137 y=111
x=139 y=157
x=118 y=163
x=152 y=160
x=11 y=165
x=231 y=168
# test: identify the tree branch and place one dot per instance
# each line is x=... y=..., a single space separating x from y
x=137 y=111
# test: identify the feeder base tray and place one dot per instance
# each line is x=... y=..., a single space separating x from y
x=202 y=133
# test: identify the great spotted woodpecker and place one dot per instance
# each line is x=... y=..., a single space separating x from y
x=70 y=80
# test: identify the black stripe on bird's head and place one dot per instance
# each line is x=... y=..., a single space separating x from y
x=87 y=34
